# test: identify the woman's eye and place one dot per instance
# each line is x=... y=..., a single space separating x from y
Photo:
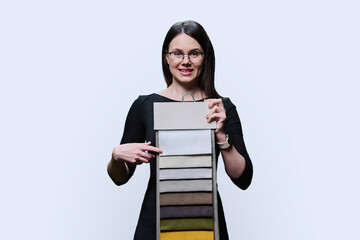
x=177 y=53
x=194 y=54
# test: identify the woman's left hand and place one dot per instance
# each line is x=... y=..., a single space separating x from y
x=217 y=113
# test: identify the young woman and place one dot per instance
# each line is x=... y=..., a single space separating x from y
x=188 y=63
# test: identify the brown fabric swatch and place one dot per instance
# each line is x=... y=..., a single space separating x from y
x=194 y=198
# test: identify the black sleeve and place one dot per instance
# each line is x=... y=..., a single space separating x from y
x=134 y=130
x=232 y=127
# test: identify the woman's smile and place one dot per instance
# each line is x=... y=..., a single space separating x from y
x=186 y=71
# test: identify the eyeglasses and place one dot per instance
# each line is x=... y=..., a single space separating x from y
x=177 y=57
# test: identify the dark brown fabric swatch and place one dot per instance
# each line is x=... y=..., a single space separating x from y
x=186 y=211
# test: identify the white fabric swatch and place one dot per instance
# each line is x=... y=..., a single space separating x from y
x=185 y=142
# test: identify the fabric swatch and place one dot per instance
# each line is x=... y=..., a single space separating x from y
x=184 y=224
x=194 y=198
x=185 y=186
x=185 y=142
x=194 y=173
x=181 y=115
x=187 y=235
x=186 y=212
x=185 y=161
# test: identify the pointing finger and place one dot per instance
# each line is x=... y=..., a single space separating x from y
x=152 y=149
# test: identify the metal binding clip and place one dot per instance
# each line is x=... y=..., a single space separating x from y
x=188 y=94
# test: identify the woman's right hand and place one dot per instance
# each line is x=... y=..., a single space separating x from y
x=136 y=153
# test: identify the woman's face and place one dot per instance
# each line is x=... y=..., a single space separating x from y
x=185 y=71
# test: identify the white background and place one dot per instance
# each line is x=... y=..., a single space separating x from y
x=70 y=70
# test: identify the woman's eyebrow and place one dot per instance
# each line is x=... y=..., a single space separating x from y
x=196 y=49
x=191 y=50
x=176 y=49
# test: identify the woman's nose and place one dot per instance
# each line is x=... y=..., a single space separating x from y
x=186 y=59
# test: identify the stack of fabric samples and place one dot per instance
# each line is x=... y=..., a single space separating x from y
x=186 y=184
x=186 y=198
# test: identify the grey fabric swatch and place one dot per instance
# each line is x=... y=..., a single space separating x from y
x=192 y=173
x=186 y=186
x=181 y=115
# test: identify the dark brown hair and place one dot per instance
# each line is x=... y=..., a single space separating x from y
x=196 y=31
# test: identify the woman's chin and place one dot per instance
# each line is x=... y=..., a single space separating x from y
x=186 y=80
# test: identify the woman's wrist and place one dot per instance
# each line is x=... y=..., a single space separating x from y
x=117 y=154
x=220 y=136
x=225 y=145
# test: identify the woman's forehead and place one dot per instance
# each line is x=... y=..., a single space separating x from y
x=184 y=42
